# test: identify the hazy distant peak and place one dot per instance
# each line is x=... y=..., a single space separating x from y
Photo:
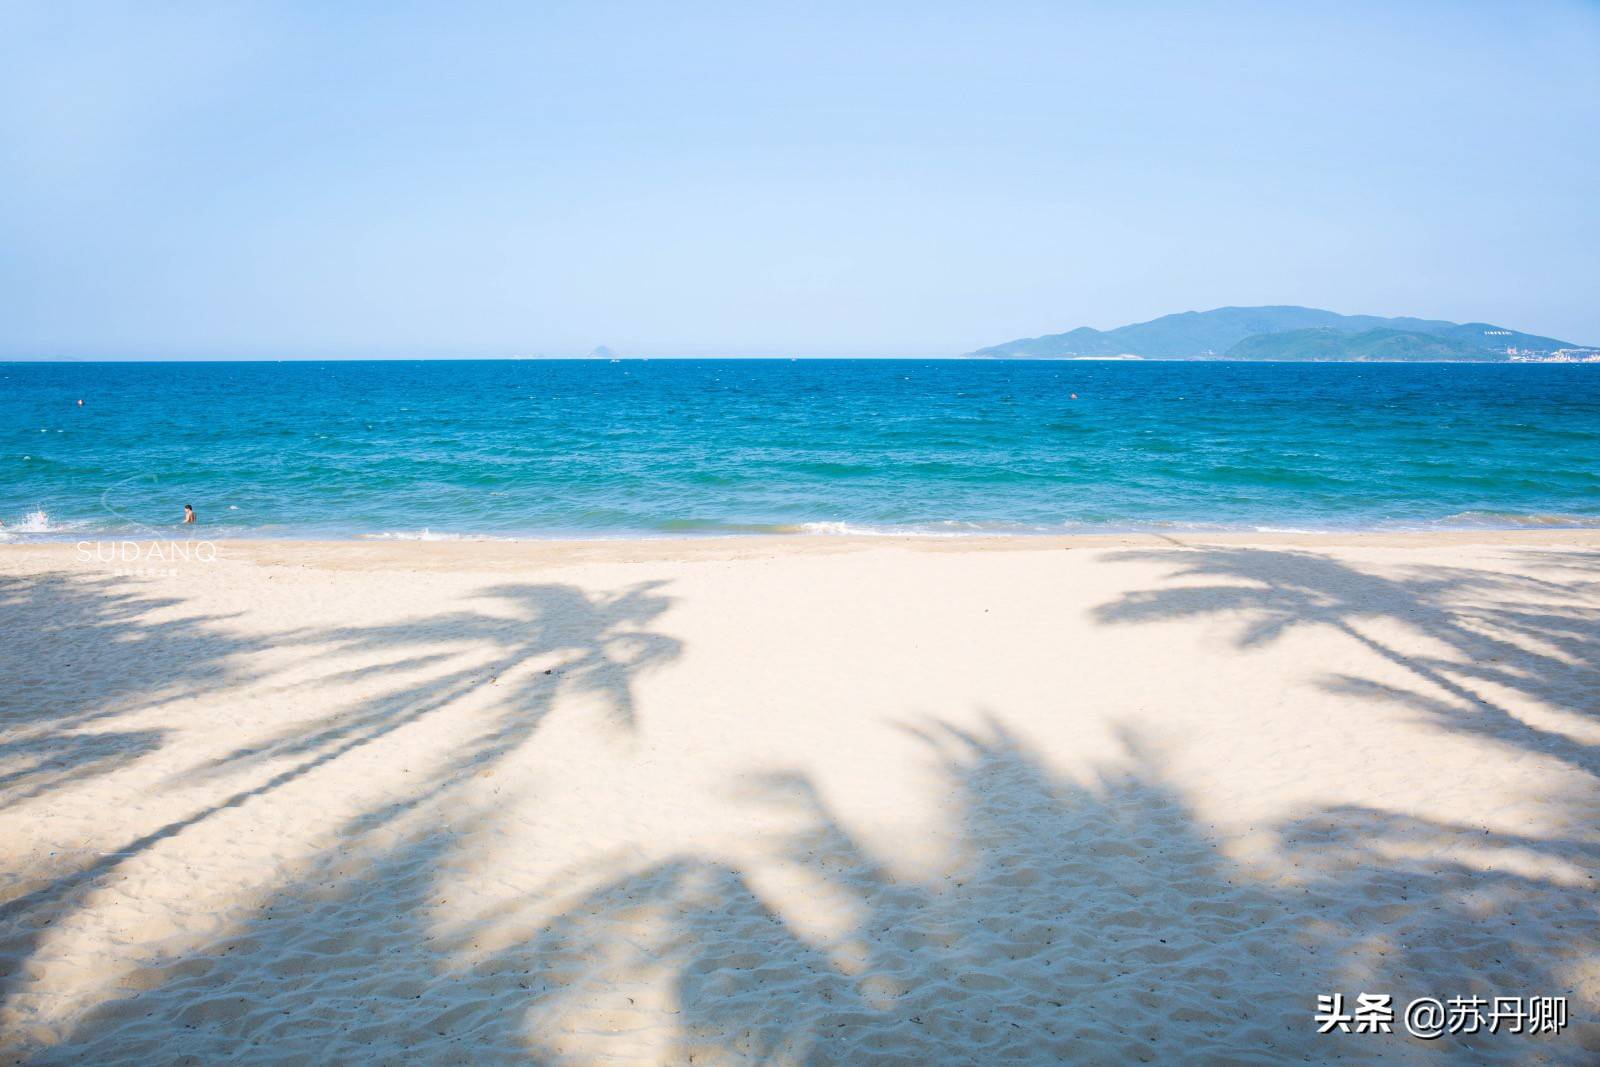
x=1242 y=333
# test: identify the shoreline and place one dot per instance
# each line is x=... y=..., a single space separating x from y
x=744 y=546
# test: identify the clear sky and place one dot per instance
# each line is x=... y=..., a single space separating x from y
x=457 y=179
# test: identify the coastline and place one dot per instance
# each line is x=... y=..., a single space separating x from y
x=798 y=799
x=378 y=552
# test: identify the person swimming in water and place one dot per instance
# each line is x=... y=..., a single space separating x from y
x=188 y=514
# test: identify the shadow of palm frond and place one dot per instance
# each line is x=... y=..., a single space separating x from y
x=1434 y=908
x=1071 y=913
x=1077 y=921
x=596 y=644
x=85 y=658
x=600 y=644
x=1501 y=630
x=33 y=766
x=84 y=651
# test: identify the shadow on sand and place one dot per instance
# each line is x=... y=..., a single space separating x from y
x=1093 y=920
x=596 y=645
x=1531 y=637
x=81 y=653
x=1090 y=922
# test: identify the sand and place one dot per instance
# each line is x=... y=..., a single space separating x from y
x=808 y=800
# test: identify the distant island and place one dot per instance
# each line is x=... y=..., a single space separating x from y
x=1295 y=333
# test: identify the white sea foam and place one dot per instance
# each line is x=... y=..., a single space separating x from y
x=426 y=534
x=35 y=522
x=1287 y=530
x=947 y=528
x=38 y=523
x=839 y=528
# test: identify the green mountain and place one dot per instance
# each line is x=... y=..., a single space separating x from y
x=1326 y=343
x=1220 y=333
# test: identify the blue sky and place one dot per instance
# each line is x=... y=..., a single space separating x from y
x=280 y=180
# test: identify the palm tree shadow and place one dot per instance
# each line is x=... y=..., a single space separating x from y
x=597 y=644
x=1077 y=921
x=1089 y=921
x=1511 y=631
x=1440 y=906
x=85 y=657
x=1428 y=905
x=1073 y=911
x=82 y=652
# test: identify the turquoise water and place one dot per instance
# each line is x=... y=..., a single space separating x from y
x=590 y=448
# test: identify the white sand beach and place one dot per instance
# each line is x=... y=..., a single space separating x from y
x=797 y=800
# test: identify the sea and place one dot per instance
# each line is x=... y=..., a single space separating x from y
x=516 y=449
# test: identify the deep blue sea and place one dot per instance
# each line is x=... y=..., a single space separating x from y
x=543 y=448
